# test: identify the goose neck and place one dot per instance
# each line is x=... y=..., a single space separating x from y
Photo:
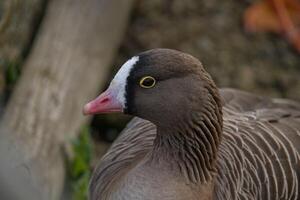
x=191 y=145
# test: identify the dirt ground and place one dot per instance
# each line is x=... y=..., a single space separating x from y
x=212 y=31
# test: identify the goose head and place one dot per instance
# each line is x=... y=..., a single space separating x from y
x=159 y=85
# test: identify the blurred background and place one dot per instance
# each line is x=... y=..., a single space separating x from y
x=56 y=55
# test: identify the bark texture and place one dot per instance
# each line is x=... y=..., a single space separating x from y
x=67 y=65
x=18 y=22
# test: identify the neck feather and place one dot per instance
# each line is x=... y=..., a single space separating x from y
x=192 y=144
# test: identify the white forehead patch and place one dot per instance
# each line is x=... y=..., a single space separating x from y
x=118 y=84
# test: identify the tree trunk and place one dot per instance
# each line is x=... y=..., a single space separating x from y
x=18 y=22
x=68 y=63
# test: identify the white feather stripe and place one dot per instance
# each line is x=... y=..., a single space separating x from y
x=119 y=82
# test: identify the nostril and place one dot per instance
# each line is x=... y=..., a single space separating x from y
x=104 y=100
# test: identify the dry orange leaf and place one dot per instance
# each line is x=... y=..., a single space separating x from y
x=279 y=16
x=261 y=17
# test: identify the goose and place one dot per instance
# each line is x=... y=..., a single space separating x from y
x=189 y=140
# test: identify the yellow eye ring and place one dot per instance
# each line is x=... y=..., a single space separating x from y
x=147 y=82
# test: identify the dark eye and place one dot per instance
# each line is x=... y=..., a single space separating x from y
x=147 y=82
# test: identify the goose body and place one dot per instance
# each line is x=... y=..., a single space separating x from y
x=224 y=144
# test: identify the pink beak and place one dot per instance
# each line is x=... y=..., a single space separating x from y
x=104 y=103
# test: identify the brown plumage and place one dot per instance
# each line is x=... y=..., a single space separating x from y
x=202 y=143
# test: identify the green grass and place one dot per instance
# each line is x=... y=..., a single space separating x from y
x=12 y=73
x=78 y=166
